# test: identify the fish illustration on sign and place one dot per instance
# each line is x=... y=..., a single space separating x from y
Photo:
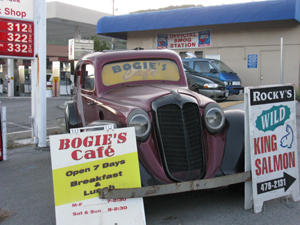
x=287 y=140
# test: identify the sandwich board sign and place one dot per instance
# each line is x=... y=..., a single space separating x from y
x=271 y=143
x=83 y=163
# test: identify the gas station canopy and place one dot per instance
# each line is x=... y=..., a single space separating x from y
x=68 y=21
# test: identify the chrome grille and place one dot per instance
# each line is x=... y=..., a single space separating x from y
x=179 y=126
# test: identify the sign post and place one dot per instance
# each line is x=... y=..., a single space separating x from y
x=23 y=35
x=271 y=144
x=83 y=163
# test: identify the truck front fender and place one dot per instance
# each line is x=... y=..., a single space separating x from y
x=233 y=158
x=71 y=116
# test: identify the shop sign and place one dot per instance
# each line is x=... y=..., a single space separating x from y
x=271 y=116
x=17 y=9
x=198 y=39
x=83 y=163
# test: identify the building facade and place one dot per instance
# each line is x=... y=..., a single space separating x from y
x=247 y=37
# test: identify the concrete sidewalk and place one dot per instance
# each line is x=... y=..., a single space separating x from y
x=26 y=187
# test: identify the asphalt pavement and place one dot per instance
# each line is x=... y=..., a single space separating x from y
x=26 y=193
x=18 y=113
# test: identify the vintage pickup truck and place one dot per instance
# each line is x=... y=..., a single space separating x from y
x=181 y=135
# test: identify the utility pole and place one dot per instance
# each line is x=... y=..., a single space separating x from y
x=113 y=13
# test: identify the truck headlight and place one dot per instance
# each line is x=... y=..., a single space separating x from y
x=140 y=120
x=214 y=118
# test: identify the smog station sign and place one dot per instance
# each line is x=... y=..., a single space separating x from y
x=198 y=39
x=16 y=28
x=83 y=163
x=271 y=118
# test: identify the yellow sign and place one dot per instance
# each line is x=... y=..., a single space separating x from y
x=83 y=163
x=55 y=79
x=82 y=181
x=121 y=72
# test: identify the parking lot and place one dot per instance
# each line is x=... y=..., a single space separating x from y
x=18 y=111
x=27 y=193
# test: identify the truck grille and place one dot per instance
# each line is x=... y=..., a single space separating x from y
x=179 y=127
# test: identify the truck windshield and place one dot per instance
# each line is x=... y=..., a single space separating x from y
x=222 y=66
x=141 y=70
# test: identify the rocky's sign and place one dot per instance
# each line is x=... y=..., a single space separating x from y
x=260 y=96
x=271 y=142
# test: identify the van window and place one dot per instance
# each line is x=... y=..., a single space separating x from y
x=186 y=63
x=203 y=67
x=222 y=67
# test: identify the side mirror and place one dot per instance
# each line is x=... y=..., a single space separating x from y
x=213 y=71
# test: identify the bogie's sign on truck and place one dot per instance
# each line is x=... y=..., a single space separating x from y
x=85 y=162
x=271 y=125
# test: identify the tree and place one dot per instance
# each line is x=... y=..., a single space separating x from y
x=99 y=43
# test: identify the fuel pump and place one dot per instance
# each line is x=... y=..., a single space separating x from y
x=27 y=83
x=61 y=78
x=55 y=78
x=65 y=83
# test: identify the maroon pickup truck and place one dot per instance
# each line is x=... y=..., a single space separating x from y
x=181 y=135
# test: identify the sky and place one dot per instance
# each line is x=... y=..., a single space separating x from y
x=127 y=6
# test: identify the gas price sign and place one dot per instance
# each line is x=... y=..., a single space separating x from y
x=16 y=38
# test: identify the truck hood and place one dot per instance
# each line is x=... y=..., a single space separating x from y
x=142 y=96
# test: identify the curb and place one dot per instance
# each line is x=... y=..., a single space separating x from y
x=28 y=134
x=228 y=104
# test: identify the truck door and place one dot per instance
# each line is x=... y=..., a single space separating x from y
x=86 y=95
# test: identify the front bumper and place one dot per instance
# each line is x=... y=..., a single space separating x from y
x=235 y=89
x=217 y=95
